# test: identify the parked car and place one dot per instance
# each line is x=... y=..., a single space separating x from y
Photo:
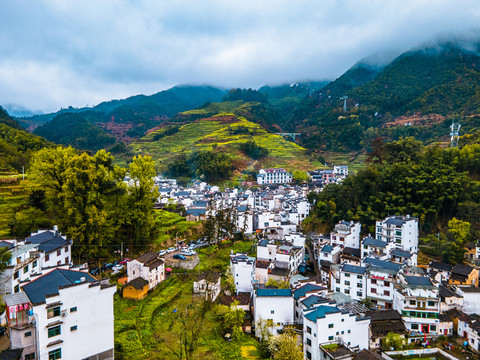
x=124 y=261
x=188 y=252
x=161 y=252
x=170 y=250
x=108 y=266
x=95 y=271
x=118 y=267
x=179 y=257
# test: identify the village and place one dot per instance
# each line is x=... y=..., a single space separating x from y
x=342 y=294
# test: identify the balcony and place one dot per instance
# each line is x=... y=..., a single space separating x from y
x=27 y=261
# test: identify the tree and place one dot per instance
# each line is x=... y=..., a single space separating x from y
x=393 y=341
x=186 y=324
x=279 y=284
x=141 y=195
x=231 y=318
x=285 y=347
x=5 y=257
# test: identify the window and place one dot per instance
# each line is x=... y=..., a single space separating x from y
x=347 y=291
x=343 y=320
x=365 y=247
x=337 y=289
x=330 y=338
x=359 y=293
x=16 y=289
x=414 y=326
x=386 y=293
x=272 y=311
x=59 y=252
x=28 y=333
x=343 y=332
x=309 y=355
x=374 y=281
x=412 y=302
x=309 y=342
x=25 y=269
x=30 y=356
x=66 y=260
x=54 y=331
x=66 y=249
x=373 y=291
x=16 y=275
x=34 y=264
x=347 y=275
x=47 y=257
x=337 y=333
x=73 y=309
x=386 y=283
x=359 y=277
x=348 y=331
x=359 y=285
x=309 y=329
x=55 y=354
x=347 y=283
x=53 y=312
x=337 y=281
x=433 y=328
x=431 y=303
x=73 y=328
x=330 y=326
x=59 y=263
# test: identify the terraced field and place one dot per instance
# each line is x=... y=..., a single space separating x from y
x=12 y=196
x=221 y=132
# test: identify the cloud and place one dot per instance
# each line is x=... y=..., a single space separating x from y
x=56 y=53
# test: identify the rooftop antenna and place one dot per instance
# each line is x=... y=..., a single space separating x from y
x=344 y=103
x=454 y=137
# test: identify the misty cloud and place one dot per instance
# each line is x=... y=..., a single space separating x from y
x=56 y=53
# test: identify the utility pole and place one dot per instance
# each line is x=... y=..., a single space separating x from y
x=121 y=251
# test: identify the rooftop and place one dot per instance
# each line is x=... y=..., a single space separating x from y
x=320 y=312
x=374 y=242
x=301 y=291
x=353 y=269
x=274 y=292
x=418 y=281
x=49 y=284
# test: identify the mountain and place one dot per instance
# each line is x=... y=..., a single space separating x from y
x=16 y=145
x=416 y=94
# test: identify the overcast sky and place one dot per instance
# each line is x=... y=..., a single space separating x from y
x=56 y=53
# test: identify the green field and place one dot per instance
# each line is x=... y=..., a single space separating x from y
x=138 y=323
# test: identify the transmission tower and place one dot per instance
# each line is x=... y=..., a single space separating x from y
x=454 y=136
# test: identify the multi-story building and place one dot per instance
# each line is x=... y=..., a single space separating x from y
x=376 y=248
x=243 y=272
x=63 y=314
x=328 y=324
x=400 y=230
x=381 y=280
x=346 y=234
x=273 y=176
x=417 y=298
x=273 y=309
x=351 y=281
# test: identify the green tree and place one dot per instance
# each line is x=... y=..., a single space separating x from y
x=231 y=318
x=5 y=257
x=285 y=347
x=138 y=213
x=279 y=284
x=393 y=341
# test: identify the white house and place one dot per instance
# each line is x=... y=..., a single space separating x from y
x=400 y=230
x=207 y=286
x=351 y=281
x=148 y=266
x=69 y=315
x=243 y=272
x=346 y=234
x=328 y=324
x=273 y=176
x=416 y=297
x=273 y=309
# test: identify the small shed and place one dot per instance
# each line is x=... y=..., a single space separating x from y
x=136 y=289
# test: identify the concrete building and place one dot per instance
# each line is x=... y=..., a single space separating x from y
x=243 y=272
x=273 y=309
x=346 y=234
x=273 y=176
x=148 y=266
x=69 y=315
x=400 y=230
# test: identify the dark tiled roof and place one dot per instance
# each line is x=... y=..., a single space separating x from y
x=352 y=252
x=382 y=328
x=382 y=264
x=327 y=249
x=374 y=242
x=440 y=266
x=139 y=283
x=53 y=244
x=383 y=315
x=274 y=292
x=6 y=244
x=301 y=291
x=418 y=280
x=147 y=257
x=397 y=221
x=196 y=212
x=11 y=354
x=367 y=355
x=48 y=284
x=401 y=253
x=445 y=292
x=262 y=264
x=461 y=269
x=313 y=300
x=40 y=238
x=263 y=242
x=353 y=269
x=154 y=263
